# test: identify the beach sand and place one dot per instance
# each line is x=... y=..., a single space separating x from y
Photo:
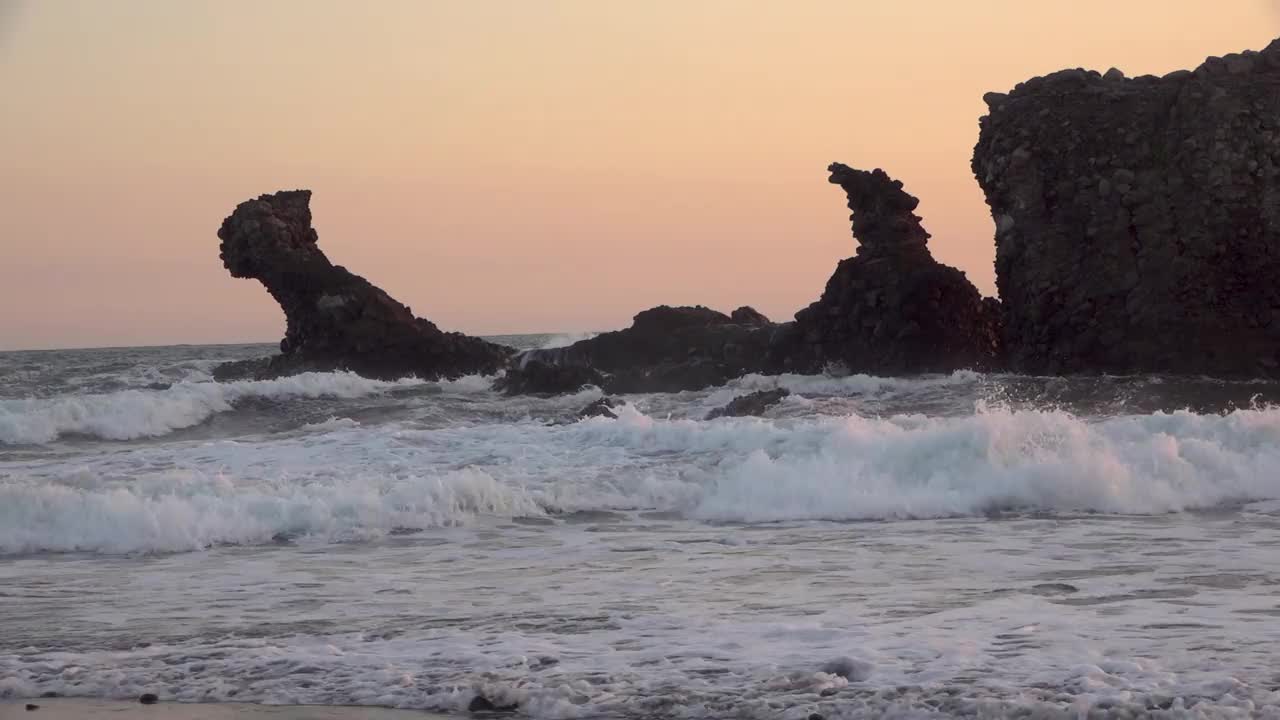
x=78 y=709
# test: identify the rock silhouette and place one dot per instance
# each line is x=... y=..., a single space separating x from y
x=1138 y=220
x=666 y=349
x=892 y=308
x=336 y=320
x=755 y=403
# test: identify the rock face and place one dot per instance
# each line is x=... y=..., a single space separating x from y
x=600 y=408
x=666 y=349
x=335 y=319
x=750 y=404
x=892 y=308
x=1138 y=220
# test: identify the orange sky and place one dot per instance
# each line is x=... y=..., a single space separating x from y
x=509 y=166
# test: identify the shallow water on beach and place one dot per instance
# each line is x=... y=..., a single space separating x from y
x=960 y=545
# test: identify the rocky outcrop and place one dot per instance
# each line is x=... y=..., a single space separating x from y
x=336 y=320
x=891 y=309
x=755 y=403
x=747 y=315
x=666 y=349
x=532 y=376
x=1138 y=220
x=604 y=407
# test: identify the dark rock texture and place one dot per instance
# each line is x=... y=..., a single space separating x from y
x=666 y=349
x=750 y=404
x=1138 y=220
x=747 y=315
x=600 y=408
x=336 y=320
x=892 y=308
x=482 y=704
x=531 y=376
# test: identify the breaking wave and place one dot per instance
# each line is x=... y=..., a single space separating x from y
x=133 y=414
x=349 y=481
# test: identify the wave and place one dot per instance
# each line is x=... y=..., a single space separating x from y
x=196 y=511
x=916 y=467
x=133 y=414
x=354 y=481
x=856 y=384
x=566 y=339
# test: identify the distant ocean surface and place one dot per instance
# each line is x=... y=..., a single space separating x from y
x=961 y=545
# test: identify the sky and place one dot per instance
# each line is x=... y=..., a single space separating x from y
x=506 y=167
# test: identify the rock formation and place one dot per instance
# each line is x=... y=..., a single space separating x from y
x=604 y=407
x=892 y=308
x=666 y=349
x=1138 y=220
x=336 y=320
x=755 y=403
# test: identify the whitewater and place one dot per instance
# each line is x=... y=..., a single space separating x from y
x=961 y=545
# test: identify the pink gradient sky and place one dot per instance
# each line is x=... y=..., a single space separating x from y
x=509 y=166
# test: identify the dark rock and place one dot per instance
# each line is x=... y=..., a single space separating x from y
x=600 y=408
x=751 y=404
x=242 y=369
x=848 y=668
x=816 y=716
x=747 y=315
x=32 y=706
x=1138 y=230
x=336 y=320
x=541 y=377
x=148 y=699
x=892 y=309
x=482 y=704
x=666 y=349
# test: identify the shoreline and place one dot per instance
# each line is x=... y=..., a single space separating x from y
x=94 y=709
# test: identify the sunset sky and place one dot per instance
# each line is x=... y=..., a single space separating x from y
x=510 y=166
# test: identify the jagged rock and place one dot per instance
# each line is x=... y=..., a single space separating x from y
x=243 y=369
x=482 y=704
x=892 y=308
x=666 y=349
x=1138 y=220
x=336 y=319
x=600 y=408
x=747 y=315
x=750 y=404
x=537 y=377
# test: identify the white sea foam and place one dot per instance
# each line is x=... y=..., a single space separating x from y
x=658 y=565
x=189 y=510
x=857 y=384
x=345 y=479
x=566 y=339
x=131 y=414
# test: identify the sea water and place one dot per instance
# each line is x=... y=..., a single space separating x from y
x=938 y=546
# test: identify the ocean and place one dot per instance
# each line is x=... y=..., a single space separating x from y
x=960 y=545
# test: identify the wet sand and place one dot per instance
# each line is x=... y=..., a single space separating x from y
x=77 y=709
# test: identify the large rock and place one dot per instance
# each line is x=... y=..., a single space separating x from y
x=337 y=320
x=1138 y=220
x=666 y=349
x=892 y=308
x=755 y=403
